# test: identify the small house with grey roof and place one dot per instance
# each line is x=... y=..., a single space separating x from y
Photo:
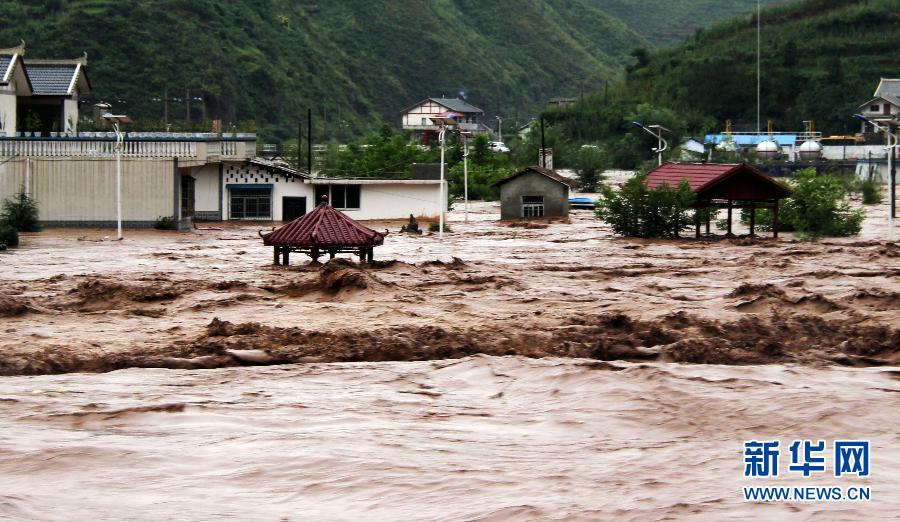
x=417 y=117
x=534 y=192
x=885 y=103
x=40 y=96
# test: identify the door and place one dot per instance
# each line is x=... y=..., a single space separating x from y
x=292 y=208
x=187 y=196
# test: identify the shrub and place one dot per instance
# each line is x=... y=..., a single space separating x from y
x=636 y=211
x=435 y=226
x=817 y=208
x=165 y=223
x=8 y=235
x=21 y=213
x=590 y=163
x=871 y=192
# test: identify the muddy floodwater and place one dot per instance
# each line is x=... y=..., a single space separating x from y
x=533 y=371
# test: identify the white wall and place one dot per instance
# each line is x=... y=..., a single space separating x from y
x=206 y=188
x=8 y=110
x=397 y=201
x=70 y=115
x=840 y=152
x=84 y=190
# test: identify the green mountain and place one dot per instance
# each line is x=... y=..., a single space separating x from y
x=354 y=62
x=664 y=22
x=821 y=59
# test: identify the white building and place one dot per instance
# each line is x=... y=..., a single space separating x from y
x=40 y=96
x=417 y=118
x=885 y=104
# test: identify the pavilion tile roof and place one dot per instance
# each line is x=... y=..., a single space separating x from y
x=706 y=179
x=696 y=174
x=324 y=227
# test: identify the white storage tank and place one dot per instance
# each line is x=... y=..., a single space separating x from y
x=768 y=149
x=810 y=150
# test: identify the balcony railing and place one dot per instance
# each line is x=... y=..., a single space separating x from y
x=199 y=146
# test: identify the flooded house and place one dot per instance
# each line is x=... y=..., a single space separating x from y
x=534 y=192
x=202 y=176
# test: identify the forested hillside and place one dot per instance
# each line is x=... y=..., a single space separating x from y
x=355 y=62
x=665 y=22
x=820 y=60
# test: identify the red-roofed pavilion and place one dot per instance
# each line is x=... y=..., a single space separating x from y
x=728 y=186
x=323 y=231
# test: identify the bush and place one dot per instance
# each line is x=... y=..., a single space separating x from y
x=871 y=192
x=8 y=235
x=435 y=226
x=165 y=223
x=21 y=213
x=590 y=163
x=817 y=208
x=636 y=211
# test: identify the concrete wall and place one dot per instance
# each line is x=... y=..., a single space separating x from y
x=70 y=115
x=397 y=201
x=8 y=109
x=556 y=195
x=206 y=188
x=75 y=191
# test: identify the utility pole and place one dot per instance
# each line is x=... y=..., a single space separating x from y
x=309 y=141
x=187 y=105
x=166 y=107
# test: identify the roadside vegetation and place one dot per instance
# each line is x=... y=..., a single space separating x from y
x=19 y=213
x=637 y=211
x=817 y=208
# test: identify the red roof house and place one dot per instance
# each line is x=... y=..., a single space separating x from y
x=737 y=185
x=324 y=230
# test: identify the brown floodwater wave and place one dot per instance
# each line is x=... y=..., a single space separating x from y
x=677 y=337
x=478 y=438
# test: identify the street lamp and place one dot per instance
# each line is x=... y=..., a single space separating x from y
x=499 y=128
x=115 y=120
x=443 y=121
x=662 y=144
x=465 y=139
x=891 y=140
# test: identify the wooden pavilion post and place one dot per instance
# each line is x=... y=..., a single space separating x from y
x=775 y=223
x=286 y=253
x=708 y=217
x=752 y=218
x=729 y=234
x=277 y=256
x=697 y=223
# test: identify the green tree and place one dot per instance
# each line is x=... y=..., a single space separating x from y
x=590 y=164
x=637 y=211
x=21 y=213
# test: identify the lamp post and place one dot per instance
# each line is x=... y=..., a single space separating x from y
x=662 y=144
x=891 y=141
x=499 y=128
x=116 y=120
x=443 y=121
x=465 y=139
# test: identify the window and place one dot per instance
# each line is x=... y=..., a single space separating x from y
x=532 y=206
x=249 y=203
x=873 y=108
x=343 y=197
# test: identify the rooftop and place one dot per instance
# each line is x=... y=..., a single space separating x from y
x=453 y=104
x=540 y=170
x=708 y=178
x=323 y=228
